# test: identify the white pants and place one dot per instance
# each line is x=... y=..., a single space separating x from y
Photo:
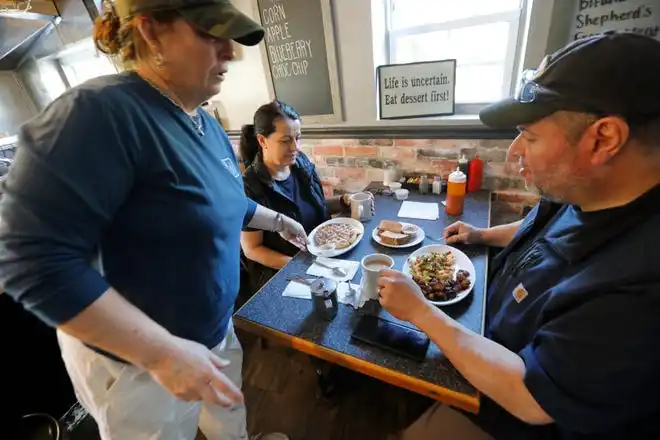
x=127 y=404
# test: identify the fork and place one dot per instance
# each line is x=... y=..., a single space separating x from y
x=336 y=270
x=351 y=289
x=299 y=279
x=437 y=240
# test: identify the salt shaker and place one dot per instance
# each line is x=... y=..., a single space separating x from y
x=437 y=185
x=324 y=298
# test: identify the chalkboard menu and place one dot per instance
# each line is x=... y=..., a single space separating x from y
x=595 y=16
x=299 y=48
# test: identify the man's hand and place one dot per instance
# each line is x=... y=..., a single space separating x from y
x=192 y=372
x=401 y=296
x=293 y=232
x=460 y=232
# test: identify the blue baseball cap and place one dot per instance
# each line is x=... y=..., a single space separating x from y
x=610 y=74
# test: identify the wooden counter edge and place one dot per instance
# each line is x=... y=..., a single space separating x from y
x=444 y=395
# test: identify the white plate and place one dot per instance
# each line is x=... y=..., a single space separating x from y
x=419 y=237
x=462 y=262
x=314 y=250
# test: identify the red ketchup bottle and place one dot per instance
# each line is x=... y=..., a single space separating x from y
x=475 y=174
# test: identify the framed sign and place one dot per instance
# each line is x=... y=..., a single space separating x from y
x=592 y=17
x=300 y=55
x=417 y=90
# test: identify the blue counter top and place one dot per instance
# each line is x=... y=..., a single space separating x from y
x=294 y=318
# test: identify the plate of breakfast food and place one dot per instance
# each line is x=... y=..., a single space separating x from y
x=445 y=274
x=397 y=234
x=335 y=237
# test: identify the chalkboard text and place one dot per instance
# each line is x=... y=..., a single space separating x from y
x=274 y=14
x=595 y=16
x=288 y=56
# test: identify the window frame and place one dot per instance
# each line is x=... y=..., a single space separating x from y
x=512 y=61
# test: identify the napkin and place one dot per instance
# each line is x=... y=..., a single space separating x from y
x=363 y=297
x=423 y=211
x=301 y=291
x=351 y=268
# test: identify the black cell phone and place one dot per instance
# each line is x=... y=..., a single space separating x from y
x=391 y=336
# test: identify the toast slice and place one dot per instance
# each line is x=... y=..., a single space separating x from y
x=391 y=226
x=393 y=238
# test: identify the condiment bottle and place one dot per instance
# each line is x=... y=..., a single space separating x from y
x=475 y=174
x=437 y=185
x=423 y=184
x=463 y=165
x=324 y=298
x=456 y=186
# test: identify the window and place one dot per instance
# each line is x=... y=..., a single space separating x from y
x=482 y=35
x=82 y=62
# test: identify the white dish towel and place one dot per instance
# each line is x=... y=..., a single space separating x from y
x=350 y=267
x=302 y=291
x=420 y=210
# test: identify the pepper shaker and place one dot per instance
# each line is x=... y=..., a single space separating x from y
x=423 y=184
x=324 y=298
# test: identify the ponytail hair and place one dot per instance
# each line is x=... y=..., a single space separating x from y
x=264 y=124
x=117 y=37
x=249 y=145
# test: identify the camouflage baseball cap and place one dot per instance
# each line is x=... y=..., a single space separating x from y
x=218 y=18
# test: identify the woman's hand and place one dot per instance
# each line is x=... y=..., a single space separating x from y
x=191 y=372
x=346 y=201
x=293 y=232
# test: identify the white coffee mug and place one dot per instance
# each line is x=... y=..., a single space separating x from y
x=360 y=206
x=371 y=266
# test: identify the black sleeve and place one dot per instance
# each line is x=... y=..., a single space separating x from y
x=597 y=365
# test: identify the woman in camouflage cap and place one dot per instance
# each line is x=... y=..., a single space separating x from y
x=128 y=168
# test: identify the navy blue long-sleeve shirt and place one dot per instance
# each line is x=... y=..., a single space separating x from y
x=113 y=169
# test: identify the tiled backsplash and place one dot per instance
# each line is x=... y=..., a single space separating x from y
x=366 y=159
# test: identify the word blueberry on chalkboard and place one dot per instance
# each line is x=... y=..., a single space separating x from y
x=295 y=48
x=417 y=89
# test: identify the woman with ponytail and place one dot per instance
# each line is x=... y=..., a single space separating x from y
x=116 y=228
x=281 y=177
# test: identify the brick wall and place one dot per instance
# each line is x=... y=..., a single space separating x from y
x=366 y=159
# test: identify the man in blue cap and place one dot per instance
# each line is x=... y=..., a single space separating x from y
x=573 y=302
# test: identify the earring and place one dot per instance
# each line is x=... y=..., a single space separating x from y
x=159 y=60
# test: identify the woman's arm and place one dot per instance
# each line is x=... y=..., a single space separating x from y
x=339 y=204
x=335 y=205
x=253 y=248
x=265 y=219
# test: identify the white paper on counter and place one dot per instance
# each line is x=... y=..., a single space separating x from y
x=420 y=210
x=301 y=291
x=351 y=268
